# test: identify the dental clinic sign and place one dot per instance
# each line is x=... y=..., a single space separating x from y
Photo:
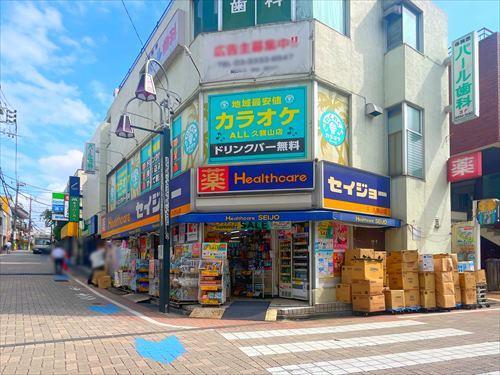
x=465 y=78
x=354 y=190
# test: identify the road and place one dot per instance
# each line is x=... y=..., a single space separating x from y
x=49 y=327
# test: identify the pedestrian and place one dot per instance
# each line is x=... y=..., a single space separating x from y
x=8 y=245
x=58 y=255
x=97 y=259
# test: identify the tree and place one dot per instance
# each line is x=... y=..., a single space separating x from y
x=46 y=216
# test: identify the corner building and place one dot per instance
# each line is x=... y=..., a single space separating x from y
x=304 y=128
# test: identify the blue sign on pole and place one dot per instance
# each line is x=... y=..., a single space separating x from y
x=74 y=186
x=354 y=190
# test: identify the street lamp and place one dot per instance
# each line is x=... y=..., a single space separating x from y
x=146 y=91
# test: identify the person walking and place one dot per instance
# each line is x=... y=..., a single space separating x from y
x=97 y=259
x=58 y=255
x=8 y=245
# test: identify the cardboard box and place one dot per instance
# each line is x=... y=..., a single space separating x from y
x=352 y=254
x=402 y=256
x=367 y=270
x=428 y=299
x=458 y=295
x=402 y=267
x=426 y=263
x=469 y=297
x=412 y=297
x=467 y=280
x=104 y=282
x=382 y=256
x=346 y=274
x=443 y=277
x=480 y=277
x=445 y=301
x=426 y=281
x=367 y=287
x=343 y=293
x=456 y=279
x=445 y=288
x=368 y=303
x=404 y=281
x=386 y=279
x=394 y=299
x=97 y=275
x=454 y=259
x=442 y=264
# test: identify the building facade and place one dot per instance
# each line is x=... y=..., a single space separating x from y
x=326 y=117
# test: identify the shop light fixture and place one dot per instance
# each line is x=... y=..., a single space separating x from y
x=146 y=90
x=124 y=127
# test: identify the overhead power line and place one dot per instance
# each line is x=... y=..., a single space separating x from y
x=132 y=22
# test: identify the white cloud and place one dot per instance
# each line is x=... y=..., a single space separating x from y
x=56 y=168
x=101 y=93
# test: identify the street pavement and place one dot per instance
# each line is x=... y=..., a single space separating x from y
x=49 y=327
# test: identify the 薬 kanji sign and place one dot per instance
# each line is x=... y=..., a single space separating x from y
x=465 y=167
x=465 y=78
x=266 y=124
x=354 y=190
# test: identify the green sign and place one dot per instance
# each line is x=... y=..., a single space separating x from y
x=269 y=11
x=74 y=209
x=89 y=159
x=257 y=125
x=237 y=14
x=122 y=184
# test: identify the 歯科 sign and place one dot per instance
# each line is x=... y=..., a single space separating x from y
x=256 y=178
x=255 y=125
x=214 y=250
x=352 y=190
x=465 y=167
x=60 y=206
x=89 y=158
x=465 y=78
x=258 y=52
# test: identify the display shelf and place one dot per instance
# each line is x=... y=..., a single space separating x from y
x=212 y=282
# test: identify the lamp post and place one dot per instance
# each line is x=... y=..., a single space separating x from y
x=146 y=91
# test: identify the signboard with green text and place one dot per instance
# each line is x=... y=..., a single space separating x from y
x=237 y=14
x=257 y=125
x=269 y=11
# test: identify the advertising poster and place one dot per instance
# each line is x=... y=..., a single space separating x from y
x=189 y=137
x=192 y=232
x=324 y=263
x=176 y=146
x=257 y=125
x=155 y=162
x=182 y=233
x=338 y=262
x=135 y=176
x=146 y=167
x=122 y=184
x=196 y=250
x=341 y=236
x=463 y=240
x=333 y=127
x=214 y=250
x=112 y=192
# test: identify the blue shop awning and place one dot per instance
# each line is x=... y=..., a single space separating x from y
x=309 y=215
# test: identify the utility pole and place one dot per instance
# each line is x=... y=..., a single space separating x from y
x=29 y=227
x=14 y=224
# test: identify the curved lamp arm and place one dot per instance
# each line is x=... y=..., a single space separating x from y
x=151 y=60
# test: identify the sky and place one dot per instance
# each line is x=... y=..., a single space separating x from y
x=61 y=60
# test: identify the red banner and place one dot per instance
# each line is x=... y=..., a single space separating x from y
x=465 y=167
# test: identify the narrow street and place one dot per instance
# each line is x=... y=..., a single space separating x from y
x=49 y=327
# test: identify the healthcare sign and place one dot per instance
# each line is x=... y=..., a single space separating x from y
x=354 y=190
x=256 y=178
x=465 y=167
x=255 y=125
x=465 y=78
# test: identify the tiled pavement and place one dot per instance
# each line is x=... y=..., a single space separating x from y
x=48 y=328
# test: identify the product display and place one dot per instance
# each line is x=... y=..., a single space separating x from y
x=213 y=282
x=300 y=261
x=285 y=266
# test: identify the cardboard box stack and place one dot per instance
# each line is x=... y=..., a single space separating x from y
x=402 y=267
x=382 y=256
x=445 y=286
x=468 y=287
x=343 y=290
x=426 y=281
x=367 y=283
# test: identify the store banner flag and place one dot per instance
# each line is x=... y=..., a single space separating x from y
x=256 y=178
x=354 y=190
x=266 y=51
x=180 y=194
x=465 y=78
x=155 y=162
x=74 y=199
x=146 y=167
x=89 y=158
x=60 y=206
x=465 y=167
x=122 y=184
x=214 y=250
x=135 y=175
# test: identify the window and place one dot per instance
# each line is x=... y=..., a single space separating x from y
x=206 y=13
x=332 y=13
x=403 y=26
x=405 y=141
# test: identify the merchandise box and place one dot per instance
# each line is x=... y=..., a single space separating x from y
x=381 y=255
x=393 y=267
x=343 y=293
x=480 y=277
x=445 y=288
x=467 y=280
x=412 y=297
x=368 y=303
x=469 y=297
x=404 y=281
x=454 y=260
x=367 y=270
x=394 y=299
x=443 y=264
x=97 y=275
x=352 y=254
x=427 y=281
x=346 y=274
x=425 y=263
x=456 y=279
x=445 y=301
x=367 y=287
x=458 y=295
x=443 y=277
x=386 y=279
x=428 y=299
x=402 y=256
x=104 y=282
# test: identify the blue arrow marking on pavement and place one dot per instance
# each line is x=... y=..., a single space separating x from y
x=105 y=309
x=164 y=351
